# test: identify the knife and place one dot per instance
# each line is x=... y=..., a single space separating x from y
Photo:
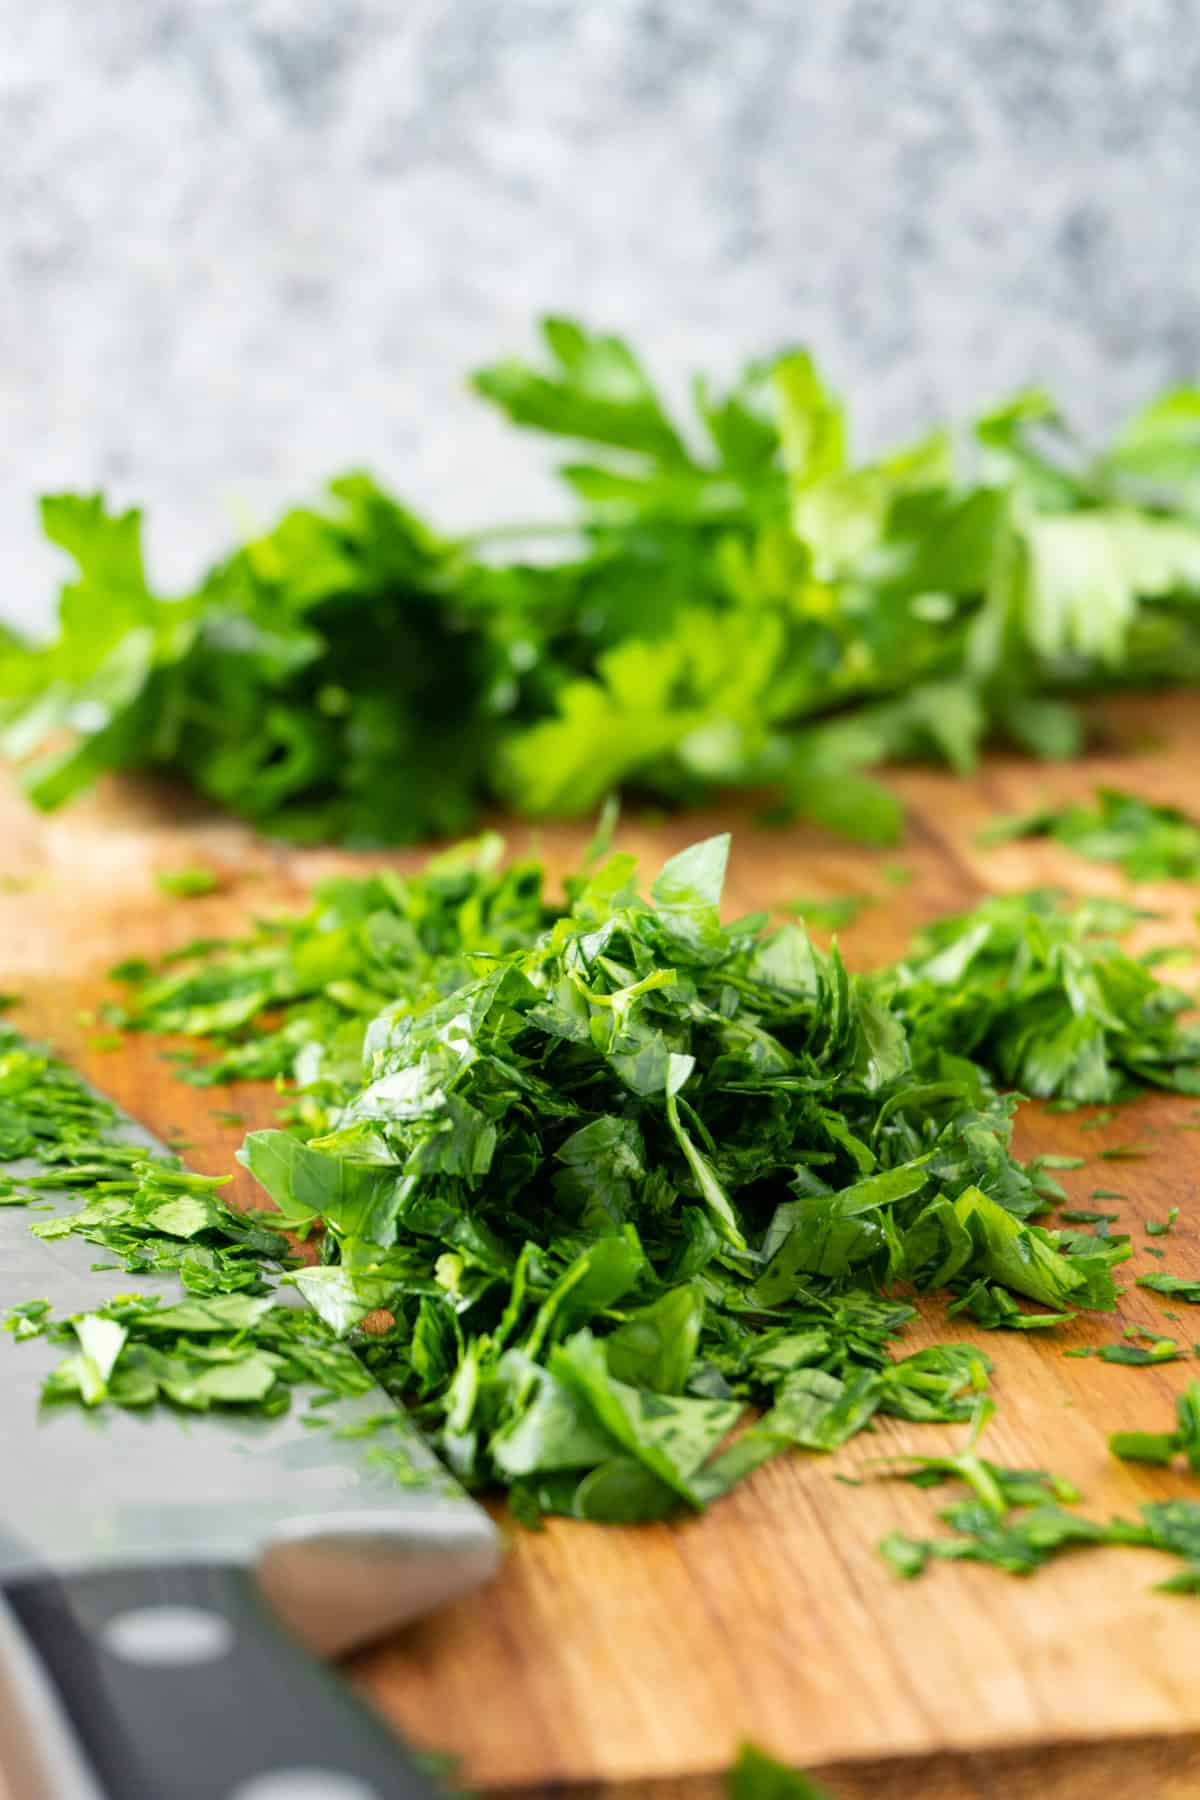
x=168 y=1583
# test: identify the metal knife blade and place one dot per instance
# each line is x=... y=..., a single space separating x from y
x=83 y=1489
x=112 y=1516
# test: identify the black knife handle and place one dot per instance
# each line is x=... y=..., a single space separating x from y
x=180 y=1685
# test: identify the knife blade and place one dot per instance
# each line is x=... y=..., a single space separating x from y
x=168 y=1580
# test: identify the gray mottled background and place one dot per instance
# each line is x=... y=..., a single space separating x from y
x=244 y=242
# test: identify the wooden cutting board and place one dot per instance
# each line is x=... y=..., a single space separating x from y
x=642 y=1657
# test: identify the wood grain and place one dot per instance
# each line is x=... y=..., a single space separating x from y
x=642 y=1657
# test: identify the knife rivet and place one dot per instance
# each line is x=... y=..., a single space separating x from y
x=304 y=1784
x=161 y=1635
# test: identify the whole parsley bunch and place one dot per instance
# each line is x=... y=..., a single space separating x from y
x=737 y=602
x=329 y=681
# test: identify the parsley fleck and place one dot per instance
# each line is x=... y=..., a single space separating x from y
x=187 y=884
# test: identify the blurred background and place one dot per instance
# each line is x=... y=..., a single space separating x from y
x=248 y=242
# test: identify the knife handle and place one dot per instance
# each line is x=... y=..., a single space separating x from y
x=180 y=1685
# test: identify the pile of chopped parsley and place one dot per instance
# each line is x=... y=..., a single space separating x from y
x=736 y=602
x=619 y=1200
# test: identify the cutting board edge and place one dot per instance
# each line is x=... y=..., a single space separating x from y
x=905 y=1775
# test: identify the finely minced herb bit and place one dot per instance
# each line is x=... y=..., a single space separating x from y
x=832 y=913
x=1148 y=842
x=1178 y=1287
x=736 y=603
x=189 y=883
x=1018 y=1520
x=1164 y=1447
x=1142 y=1356
x=757 y=1776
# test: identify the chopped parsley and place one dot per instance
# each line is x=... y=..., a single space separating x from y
x=595 y=1187
x=1179 y=1287
x=189 y=883
x=831 y=913
x=1017 y=1521
x=362 y=944
x=757 y=1776
x=1045 y=998
x=1164 y=1447
x=225 y=1349
x=613 y=1196
x=1148 y=842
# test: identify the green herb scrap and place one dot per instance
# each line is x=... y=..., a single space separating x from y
x=1164 y=1447
x=1177 y=1287
x=1141 y=1356
x=226 y=1349
x=189 y=883
x=831 y=913
x=1018 y=1520
x=737 y=602
x=1148 y=842
x=757 y=1776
